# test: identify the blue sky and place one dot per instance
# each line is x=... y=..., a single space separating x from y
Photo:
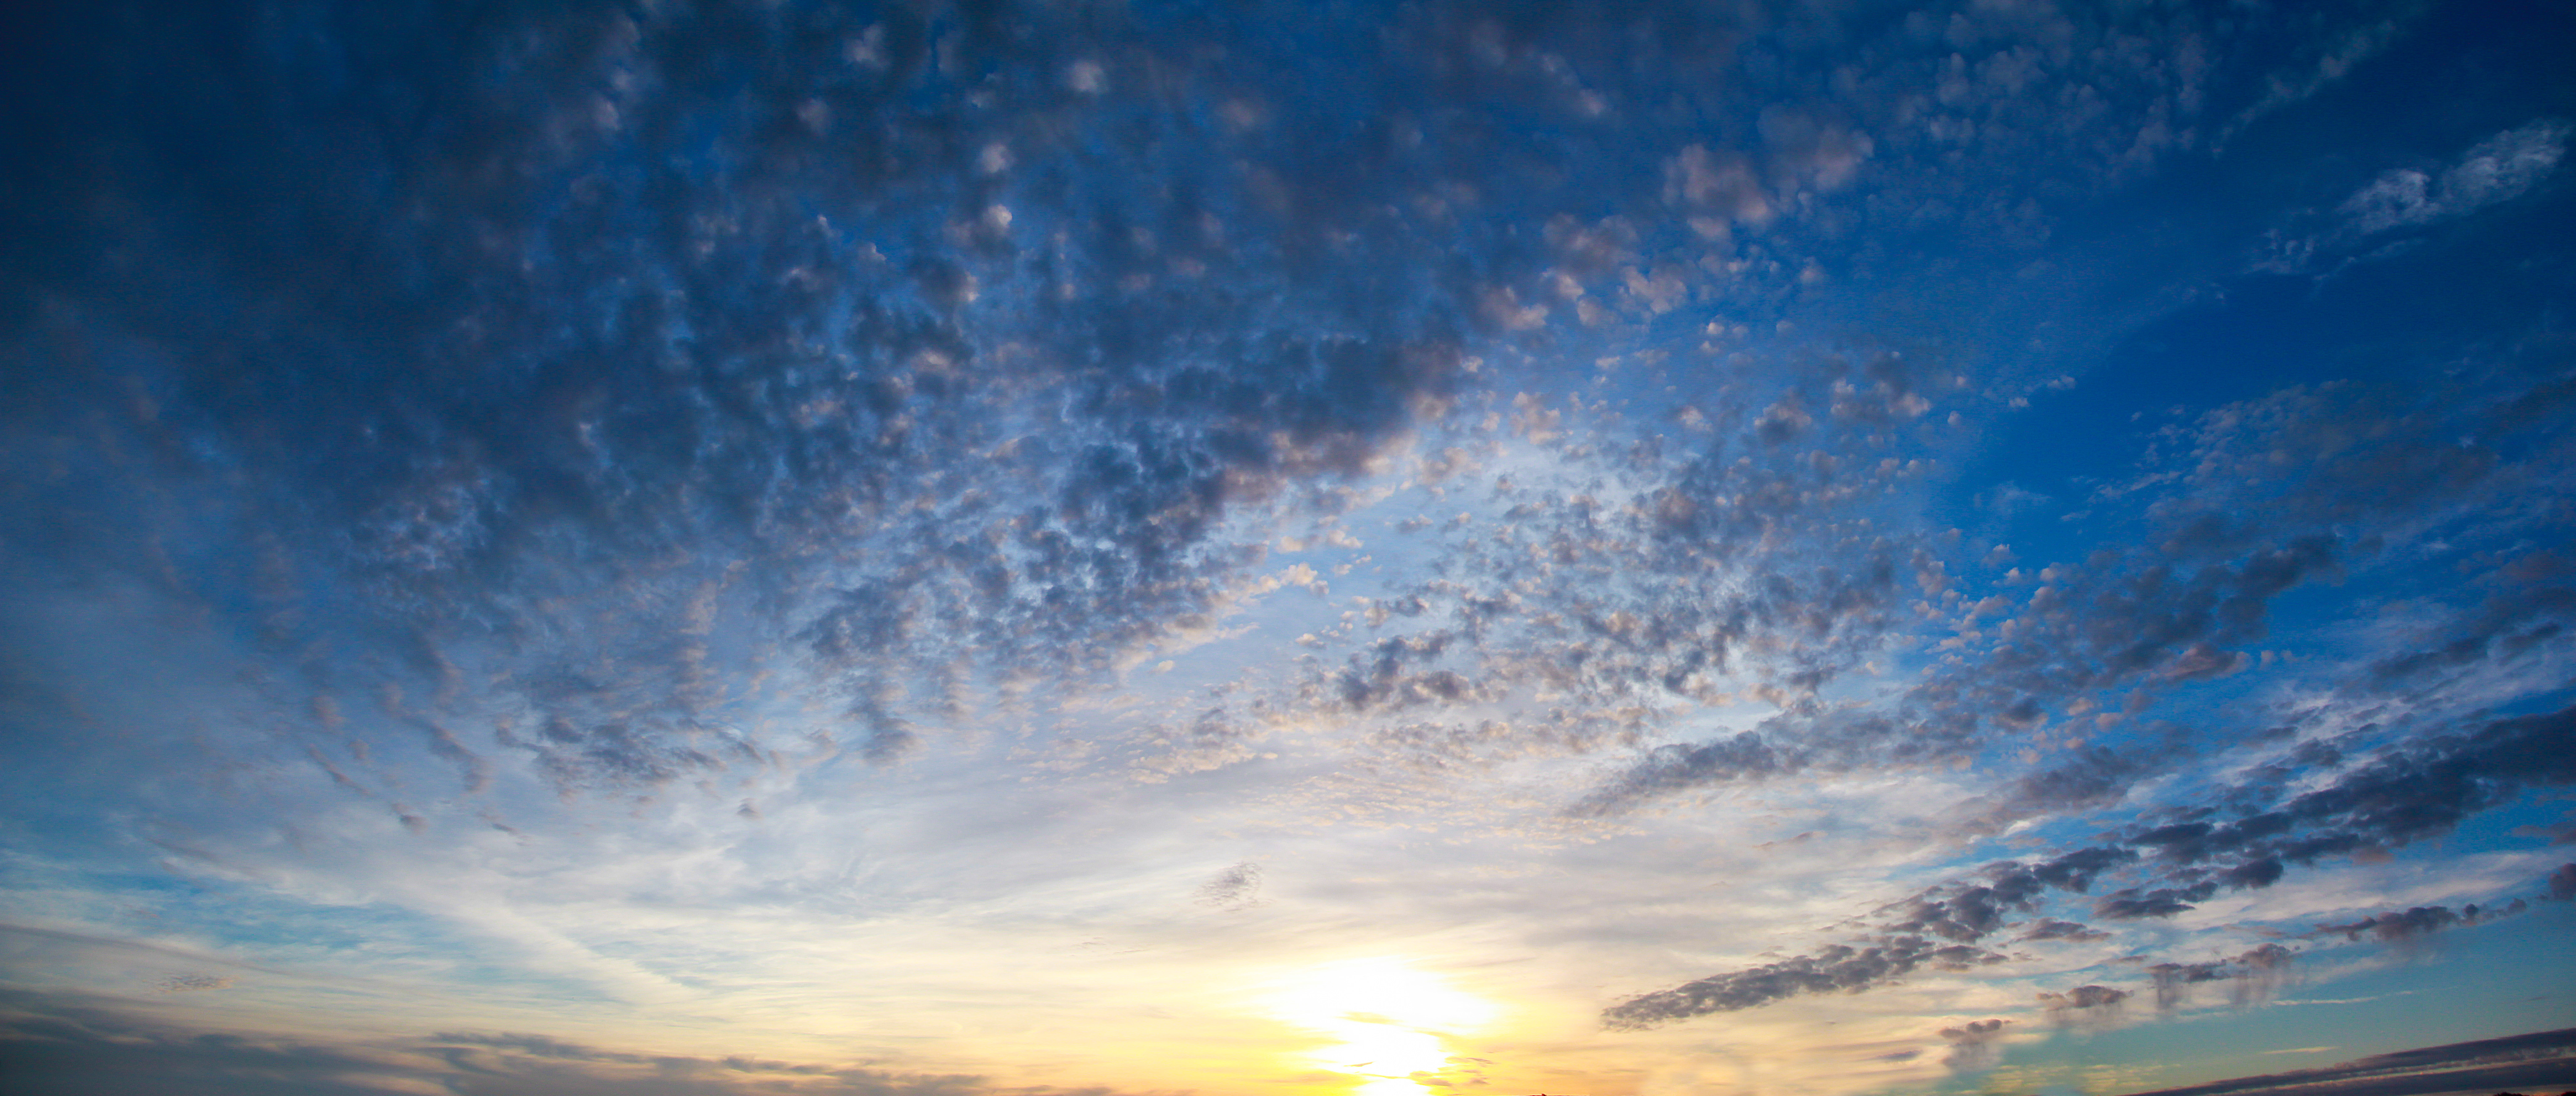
x=1627 y=549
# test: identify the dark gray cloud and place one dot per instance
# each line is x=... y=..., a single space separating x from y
x=934 y=345
x=2399 y=926
x=1837 y=968
x=1975 y=1046
x=2140 y=620
x=835 y=325
x=2541 y=1059
x=2253 y=976
x=2233 y=512
x=1235 y=888
x=2134 y=903
x=64 y=1045
x=2406 y=925
x=2146 y=622
x=1961 y=913
x=2065 y=930
x=2502 y=633
x=2406 y=794
x=911 y=337
x=2085 y=1006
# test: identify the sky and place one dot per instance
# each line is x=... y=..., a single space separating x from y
x=1051 y=548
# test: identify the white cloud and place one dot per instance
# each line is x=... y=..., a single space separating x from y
x=2501 y=168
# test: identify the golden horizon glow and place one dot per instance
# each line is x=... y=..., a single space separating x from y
x=1389 y=1021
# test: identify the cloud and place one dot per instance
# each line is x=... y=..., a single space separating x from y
x=751 y=433
x=2499 y=169
x=741 y=463
x=2407 y=794
x=2505 y=631
x=2066 y=930
x=1235 y=888
x=2399 y=926
x=2237 y=509
x=2133 y=903
x=2385 y=216
x=1962 y=913
x=2254 y=976
x=2085 y=1006
x=2407 y=925
x=449 y=458
x=61 y=1045
x=2536 y=1060
x=1837 y=968
x=1975 y=1046
x=2329 y=60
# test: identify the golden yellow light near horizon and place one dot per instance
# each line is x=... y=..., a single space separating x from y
x=1388 y=1021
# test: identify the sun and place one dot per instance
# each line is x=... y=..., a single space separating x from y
x=1391 y=1021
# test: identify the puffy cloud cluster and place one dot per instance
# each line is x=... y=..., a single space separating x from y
x=911 y=346
x=1975 y=1045
x=2499 y=169
x=1962 y=913
x=2253 y=976
x=2408 y=794
x=1835 y=968
x=2085 y=1006
x=2250 y=503
x=1750 y=572
x=2418 y=921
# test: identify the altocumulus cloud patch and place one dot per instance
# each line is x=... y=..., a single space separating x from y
x=1053 y=547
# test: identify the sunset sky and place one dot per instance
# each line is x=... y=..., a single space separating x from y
x=1295 y=548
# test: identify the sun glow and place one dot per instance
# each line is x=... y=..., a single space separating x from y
x=1391 y=1021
